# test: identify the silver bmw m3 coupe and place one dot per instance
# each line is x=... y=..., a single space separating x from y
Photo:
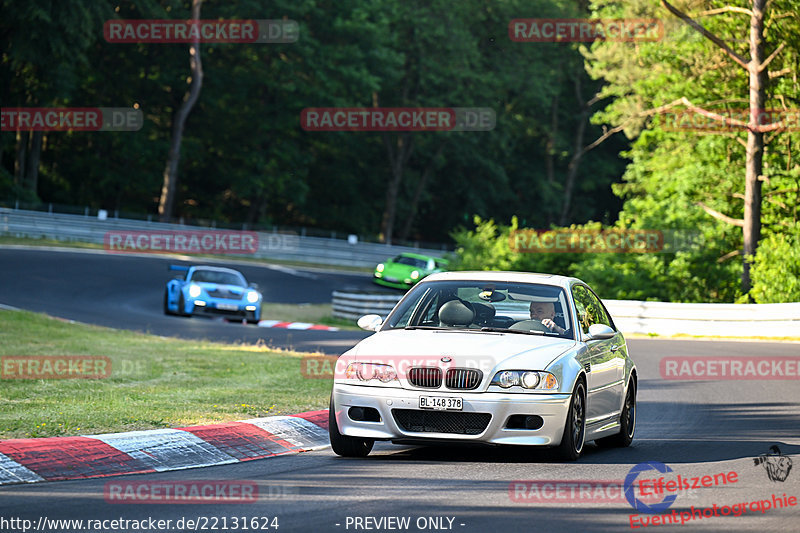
x=487 y=357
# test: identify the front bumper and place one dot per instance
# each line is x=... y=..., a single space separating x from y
x=400 y=284
x=218 y=307
x=551 y=407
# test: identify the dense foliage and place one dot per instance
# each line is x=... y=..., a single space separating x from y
x=674 y=173
x=245 y=157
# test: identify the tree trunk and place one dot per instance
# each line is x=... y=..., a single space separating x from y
x=756 y=68
x=755 y=142
x=168 y=190
x=550 y=146
x=32 y=164
x=21 y=158
x=397 y=159
x=423 y=180
x=578 y=152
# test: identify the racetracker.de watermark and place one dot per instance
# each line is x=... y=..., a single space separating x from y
x=55 y=367
x=536 y=30
x=601 y=241
x=590 y=491
x=566 y=491
x=729 y=368
x=729 y=120
x=180 y=492
x=184 y=242
x=204 y=31
x=398 y=119
x=71 y=119
x=388 y=367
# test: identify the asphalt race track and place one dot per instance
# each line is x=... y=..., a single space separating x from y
x=697 y=428
x=125 y=291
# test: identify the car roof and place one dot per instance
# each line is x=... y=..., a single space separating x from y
x=515 y=277
x=416 y=256
x=217 y=269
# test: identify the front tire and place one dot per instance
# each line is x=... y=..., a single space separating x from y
x=182 y=306
x=166 y=304
x=627 y=422
x=344 y=445
x=573 y=439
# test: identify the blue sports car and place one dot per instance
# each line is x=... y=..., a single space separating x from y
x=212 y=290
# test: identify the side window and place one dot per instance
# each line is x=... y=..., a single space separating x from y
x=601 y=313
x=582 y=304
x=590 y=310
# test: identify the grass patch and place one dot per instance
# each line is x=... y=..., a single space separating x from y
x=32 y=241
x=313 y=313
x=155 y=382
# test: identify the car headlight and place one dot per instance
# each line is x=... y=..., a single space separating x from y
x=527 y=379
x=252 y=297
x=380 y=267
x=369 y=371
x=415 y=274
x=194 y=290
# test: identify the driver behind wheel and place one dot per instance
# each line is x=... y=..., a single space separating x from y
x=545 y=312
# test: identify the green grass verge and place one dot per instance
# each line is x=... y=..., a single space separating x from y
x=155 y=382
x=30 y=241
x=313 y=313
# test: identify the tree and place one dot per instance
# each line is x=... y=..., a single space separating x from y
x=44 y=46
x=756 y=68
x=675 y=174
x=167 y=201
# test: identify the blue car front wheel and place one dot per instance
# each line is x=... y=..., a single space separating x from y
x=182 y=307
x=166 y=304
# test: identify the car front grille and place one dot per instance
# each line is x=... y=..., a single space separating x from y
x=426 y=377
x=228 y=295
x=420 y=421
x=463 y=378
x=221 y=312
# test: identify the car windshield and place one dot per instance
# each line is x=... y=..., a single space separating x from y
x=482 y=305
x=221 y=278
x=412 y=261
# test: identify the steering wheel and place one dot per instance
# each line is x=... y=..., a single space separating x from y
x=530 y=325
x=484 y=314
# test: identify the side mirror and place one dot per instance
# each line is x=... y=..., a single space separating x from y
x=370 y=322
x=253 y=286
x=600 y=332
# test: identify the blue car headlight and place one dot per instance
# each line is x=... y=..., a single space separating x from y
x=252 y=297
x=194 y=290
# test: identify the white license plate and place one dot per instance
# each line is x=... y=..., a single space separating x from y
x=440 y=404
x=228 y=307
x=391 y=280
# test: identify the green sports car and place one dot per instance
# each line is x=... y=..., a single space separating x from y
x=405 y=270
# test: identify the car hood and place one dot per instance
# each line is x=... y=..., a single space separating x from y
x=209 y=286
x=400 y=269
x=471 y=349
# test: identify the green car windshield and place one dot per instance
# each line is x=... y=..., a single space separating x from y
x=411 y=261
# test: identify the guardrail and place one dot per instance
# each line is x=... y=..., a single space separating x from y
x=286 y=246
x=726 y=320
x=631 y=316
x=351 y=305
